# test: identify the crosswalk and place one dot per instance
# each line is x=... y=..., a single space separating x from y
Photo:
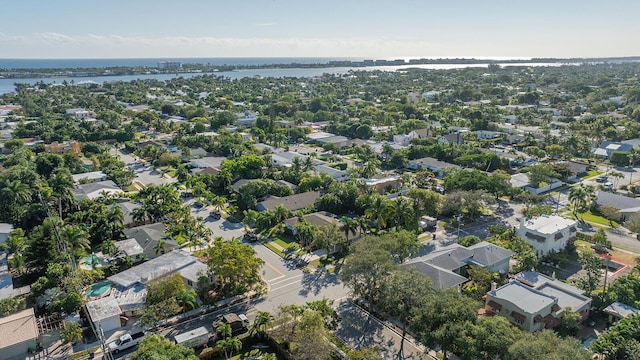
x=284 y=281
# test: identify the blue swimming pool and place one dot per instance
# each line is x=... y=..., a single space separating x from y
x=98 y=289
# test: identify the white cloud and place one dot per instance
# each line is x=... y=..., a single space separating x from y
x=91 y=45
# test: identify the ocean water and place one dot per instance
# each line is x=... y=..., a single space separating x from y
x=153 y=62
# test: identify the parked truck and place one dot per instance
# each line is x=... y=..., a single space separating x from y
x=126 y=341
x=193 y=338
x=236 y=321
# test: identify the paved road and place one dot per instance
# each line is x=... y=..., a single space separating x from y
x=290 y=285
x=359 y=329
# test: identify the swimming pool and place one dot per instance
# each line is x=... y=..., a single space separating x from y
x=93 y=259
x=98 y=289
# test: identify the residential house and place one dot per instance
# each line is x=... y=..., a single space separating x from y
x=447 y=267
x=618 y=311
x=80 y=114
x=285 y=159
x=247 y=118
x=626 y=205
x=319 y=218
x=92 y=191
x=335 y=174
x=128 y=209
x=104 y=313
x=486 y=134
x=533 y=301
x=548 y=233
x=89 y=177
x=207 y=162
x=291 y=202
x=152 y=239
x=437 y=166
x=129 y=248
x=607 y=148
x=521 y=181
x=18 y=334
x=405 y=140
x=239 y=184
x=382 y=184
x=61 y=148
x=173 y=262
x=455 y=139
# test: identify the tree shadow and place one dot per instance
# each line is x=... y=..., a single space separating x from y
x=314 y=282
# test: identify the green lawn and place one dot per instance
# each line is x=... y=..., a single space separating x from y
x=592 y=173
x=589 y=216
x=274 y=249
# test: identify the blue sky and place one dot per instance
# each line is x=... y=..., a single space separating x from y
x=322 y=28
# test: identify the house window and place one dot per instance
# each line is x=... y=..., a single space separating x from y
x=189 y=282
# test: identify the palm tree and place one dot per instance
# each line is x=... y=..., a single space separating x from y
x=224 y=330
x=229 y=346
x=349 y=225
x=403 y=212
x=363 y=224
x=261 y=323
x=578 y=198
x=281 y=213
x=378 y=210
x=76 y=240
x=61 y=183
x=188 y=299
x=160 y=247
x=14 y=194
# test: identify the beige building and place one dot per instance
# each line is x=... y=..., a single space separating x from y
x=18 y=334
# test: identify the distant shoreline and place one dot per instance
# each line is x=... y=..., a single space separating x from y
x=36 y=68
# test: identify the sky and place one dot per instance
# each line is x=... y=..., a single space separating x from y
x=377 y=29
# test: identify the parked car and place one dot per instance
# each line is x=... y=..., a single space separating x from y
x=250 y=236
x=602 y=178
x=126 y=341
x=198 y=205
x=215 y=214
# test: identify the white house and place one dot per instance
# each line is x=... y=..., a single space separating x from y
x=89 y=177
x=105 y=313
x=548 y=233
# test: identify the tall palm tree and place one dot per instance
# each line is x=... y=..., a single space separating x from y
x=224 y=330
x=281 y=213
x=349 y=225
x=379 y=211
x=61 y=183
x=578 y=198
x=229 y=346
x=14 y=194
x=260 y=324
x=403 y=212
x=76 y=241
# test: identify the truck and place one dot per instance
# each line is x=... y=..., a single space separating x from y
x=236 y=321
x=193 y=338
x=126 y=341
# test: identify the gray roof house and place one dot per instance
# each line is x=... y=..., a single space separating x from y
x=445 y=266
x=291 y=202
x=127 y=212
x=93 y=176
x=626 y=205
x=148 y=237
x=175 y=261
x=618 y=310
x=94 y=190
x=533 y=301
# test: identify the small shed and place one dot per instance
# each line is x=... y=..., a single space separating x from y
x=618 y=311
x=105 y=313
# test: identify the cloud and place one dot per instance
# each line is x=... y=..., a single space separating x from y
x=57 y=45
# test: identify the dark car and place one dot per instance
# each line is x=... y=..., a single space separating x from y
x=250 y=237
x=215 y=214
x=198 y=205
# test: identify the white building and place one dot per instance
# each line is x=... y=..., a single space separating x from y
x=548 y=233
x=18 y=334
x=105 y=313
x=5 y=231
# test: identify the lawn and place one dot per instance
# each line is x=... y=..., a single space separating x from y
x=591 y=217
x=592 y=173
x=274 y=249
